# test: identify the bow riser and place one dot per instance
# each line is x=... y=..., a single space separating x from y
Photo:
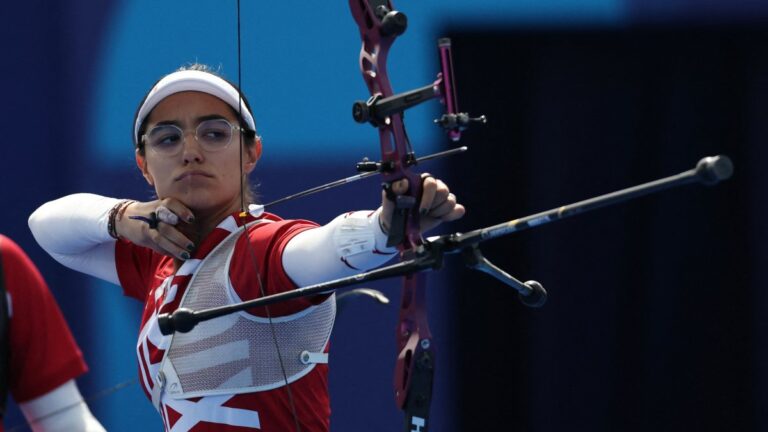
x=415 y=363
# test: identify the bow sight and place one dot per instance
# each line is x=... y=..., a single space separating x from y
x=377 y=109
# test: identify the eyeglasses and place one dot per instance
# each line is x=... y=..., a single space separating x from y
x=212 y=135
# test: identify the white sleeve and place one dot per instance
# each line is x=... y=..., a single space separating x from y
x=60 y=410
x=73 y=230
x=349 y=244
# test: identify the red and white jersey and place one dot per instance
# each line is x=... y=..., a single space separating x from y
x=43 y=353
x=149 y=277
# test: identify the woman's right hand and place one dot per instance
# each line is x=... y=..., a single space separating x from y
x=167 y=239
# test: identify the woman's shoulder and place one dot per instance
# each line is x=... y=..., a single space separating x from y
x=269 y=234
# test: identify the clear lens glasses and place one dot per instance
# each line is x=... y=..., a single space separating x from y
x=212 y=135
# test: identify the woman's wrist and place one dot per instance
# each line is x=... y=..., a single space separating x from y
x=116 y=216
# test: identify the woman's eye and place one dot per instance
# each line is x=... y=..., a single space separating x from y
x=168 y=140
x=214 y=134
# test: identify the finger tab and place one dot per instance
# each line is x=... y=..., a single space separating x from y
x=166 y=215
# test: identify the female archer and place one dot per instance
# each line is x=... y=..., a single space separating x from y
x=195 y=142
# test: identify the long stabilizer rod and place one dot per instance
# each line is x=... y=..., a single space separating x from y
x=709 y=171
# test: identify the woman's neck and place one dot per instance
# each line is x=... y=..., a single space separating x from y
x=206 y=220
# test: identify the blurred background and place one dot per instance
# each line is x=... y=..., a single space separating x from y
x=656 y=318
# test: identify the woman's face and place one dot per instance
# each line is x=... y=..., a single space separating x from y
x=202 y=180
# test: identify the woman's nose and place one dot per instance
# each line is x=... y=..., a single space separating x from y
x=191 y=148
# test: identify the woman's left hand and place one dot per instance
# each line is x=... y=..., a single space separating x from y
x=437 y=204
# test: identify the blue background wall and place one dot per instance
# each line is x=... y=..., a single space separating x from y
x=74 y=71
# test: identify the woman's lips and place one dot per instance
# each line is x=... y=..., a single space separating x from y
x=193 y=174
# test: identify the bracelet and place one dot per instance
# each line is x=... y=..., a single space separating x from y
x=116 y=214
x=122 y=210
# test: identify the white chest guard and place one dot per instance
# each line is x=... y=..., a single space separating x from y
x=237 y=353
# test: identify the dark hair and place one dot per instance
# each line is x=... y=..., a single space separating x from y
x=249 y=135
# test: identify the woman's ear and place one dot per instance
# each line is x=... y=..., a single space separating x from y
x=254 y=154
x=141 y=162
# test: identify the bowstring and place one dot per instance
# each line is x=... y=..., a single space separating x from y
x=243 y=216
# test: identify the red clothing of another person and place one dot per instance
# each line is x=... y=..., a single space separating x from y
x=43 y=353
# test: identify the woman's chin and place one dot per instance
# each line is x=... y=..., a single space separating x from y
x=203 y=200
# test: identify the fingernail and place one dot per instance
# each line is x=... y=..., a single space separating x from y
x=190 y=247
x=424 y=211
x=185 y=255
x=190 y=219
